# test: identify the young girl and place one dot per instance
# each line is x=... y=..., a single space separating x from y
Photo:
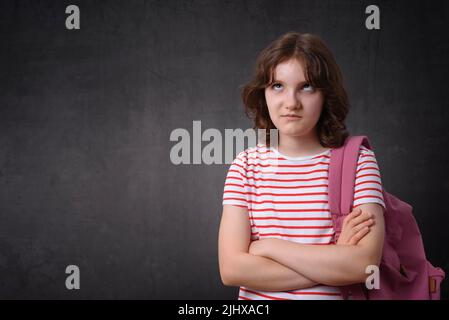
x=276 y=233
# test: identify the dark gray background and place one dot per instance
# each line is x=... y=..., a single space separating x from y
x=86 y=115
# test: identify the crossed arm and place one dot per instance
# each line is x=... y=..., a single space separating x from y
x=279 y=265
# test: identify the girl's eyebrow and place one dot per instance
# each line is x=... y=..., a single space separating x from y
x=301 y=83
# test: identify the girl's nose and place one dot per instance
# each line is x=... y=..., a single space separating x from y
x=292 y=101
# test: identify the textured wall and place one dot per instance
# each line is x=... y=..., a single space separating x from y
x=86 y=116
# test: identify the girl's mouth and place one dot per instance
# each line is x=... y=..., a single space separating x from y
x=291 y=117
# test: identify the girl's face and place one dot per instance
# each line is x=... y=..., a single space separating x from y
x=290 y=94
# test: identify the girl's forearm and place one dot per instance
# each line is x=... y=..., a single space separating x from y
x=264 y=274
x=334 y=265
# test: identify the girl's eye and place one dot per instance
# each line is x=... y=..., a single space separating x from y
x=308 y=87
x=276 y=86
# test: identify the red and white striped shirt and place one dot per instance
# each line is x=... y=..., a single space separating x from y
x=287 y=198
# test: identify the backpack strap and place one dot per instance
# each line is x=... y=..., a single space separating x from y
x=342 y=173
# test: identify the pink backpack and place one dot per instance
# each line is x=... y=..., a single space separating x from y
x=405 y=272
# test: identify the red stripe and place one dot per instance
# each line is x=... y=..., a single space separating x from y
x=257 y=151
x=280 y=202
x=268 y=151
x=263 y=158
x=279 y=194
x=285 y=165
x=237 y=171
x=369 y=181
x=292 y=227
x=237 y=205
x=292 y=173
x=244 y=298
x=238 y=199
x=365 y=189
x=296 y=235
x=317 y=293
x=256 y=235
x=261 y=149
x=290 y=202
x=289 y=210
x=366 y=155
x=368 y=175
x=232 y=191
x=245 y=160
x=370 y=196
x=367 y=161
x=255 y=155
x=367 y=168
x=287 y=180
x=235 y=178
x=234 y=184
x=277 y=172
x=288 y=218
x=262 y=295
x=314 y=243
x=286 y=187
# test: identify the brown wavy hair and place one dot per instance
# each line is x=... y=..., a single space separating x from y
x=321 y=71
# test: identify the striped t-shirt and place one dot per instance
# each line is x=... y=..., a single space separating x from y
x=287 y=198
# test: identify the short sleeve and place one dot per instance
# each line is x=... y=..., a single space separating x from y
x=368 y=184
x=235 y=185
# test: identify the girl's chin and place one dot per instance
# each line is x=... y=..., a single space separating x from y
x=292 y=131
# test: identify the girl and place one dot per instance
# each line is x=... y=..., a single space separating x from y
x=276 y=233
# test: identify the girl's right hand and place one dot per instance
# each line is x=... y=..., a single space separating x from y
x=355 y=226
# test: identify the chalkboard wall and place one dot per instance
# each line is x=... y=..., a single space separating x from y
x=86 y=114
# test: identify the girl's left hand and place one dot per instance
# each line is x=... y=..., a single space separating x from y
x=356 y=225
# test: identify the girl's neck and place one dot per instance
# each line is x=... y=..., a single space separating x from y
x=300 y=146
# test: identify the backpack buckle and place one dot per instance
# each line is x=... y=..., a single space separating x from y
x=432 y=285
